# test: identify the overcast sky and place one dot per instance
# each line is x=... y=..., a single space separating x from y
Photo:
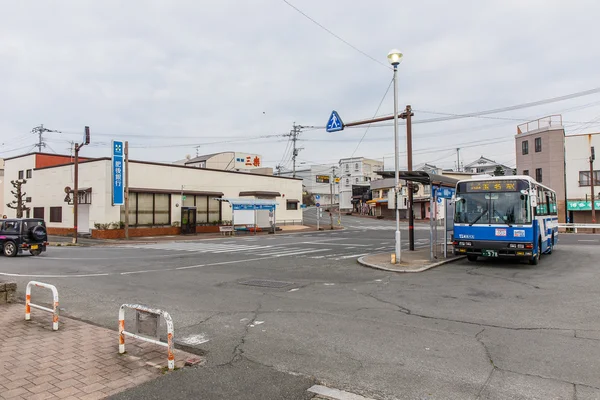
x=171 y=75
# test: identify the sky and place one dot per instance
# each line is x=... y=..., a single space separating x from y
x=181 y=77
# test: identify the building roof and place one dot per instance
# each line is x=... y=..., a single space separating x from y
x=422 y=177
x=483 y=160
x=206 y=157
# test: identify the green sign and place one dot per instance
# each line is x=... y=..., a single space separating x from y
x=184 y=197
x=582 y=205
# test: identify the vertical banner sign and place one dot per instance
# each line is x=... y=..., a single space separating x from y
x=118 y=188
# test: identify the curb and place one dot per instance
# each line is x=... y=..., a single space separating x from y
x=425 y=268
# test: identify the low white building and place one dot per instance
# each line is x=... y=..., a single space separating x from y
x=228 y=161
x=578 y=176
x=157 y=192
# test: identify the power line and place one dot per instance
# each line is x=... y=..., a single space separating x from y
x=39 y=130
x=376 y=111
x=336 y=36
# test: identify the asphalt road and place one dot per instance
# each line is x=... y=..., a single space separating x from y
x=493 y=330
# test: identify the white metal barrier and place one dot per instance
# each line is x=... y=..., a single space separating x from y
x=29 y=304
x=168 y=320
x=579 y=226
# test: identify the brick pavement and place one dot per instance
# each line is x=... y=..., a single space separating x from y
x=79 y=361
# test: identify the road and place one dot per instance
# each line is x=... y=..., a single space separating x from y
x=493 y=330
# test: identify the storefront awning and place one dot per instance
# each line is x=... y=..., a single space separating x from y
x=582 y=205
x=260 y=193
x=377 y=201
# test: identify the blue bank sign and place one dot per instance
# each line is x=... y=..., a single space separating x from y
x=254 y=207
x=118 y=188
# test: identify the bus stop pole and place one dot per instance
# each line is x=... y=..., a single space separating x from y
x=431 y=200
x=445 y=228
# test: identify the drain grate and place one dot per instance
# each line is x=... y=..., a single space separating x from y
x=266 y=283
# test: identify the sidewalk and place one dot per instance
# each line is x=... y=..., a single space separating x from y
x=83 y=241
x=79 y=361
x=411 y=261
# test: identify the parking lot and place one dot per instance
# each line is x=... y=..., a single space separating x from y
x=490 y=329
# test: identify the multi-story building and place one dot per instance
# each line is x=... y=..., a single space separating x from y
x=561 y=162
x=318 y=180
x=486 y=166
x=356 y=171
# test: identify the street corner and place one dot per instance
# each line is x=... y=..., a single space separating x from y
x=79 y=359
x=411 y=261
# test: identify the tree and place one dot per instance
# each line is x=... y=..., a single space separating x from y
x=499 y=171
x=19 y=202
x=308 y=198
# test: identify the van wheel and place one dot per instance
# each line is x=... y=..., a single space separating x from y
x=471 y=257
x=10 y=249
x=535 y=260
x=36 y=252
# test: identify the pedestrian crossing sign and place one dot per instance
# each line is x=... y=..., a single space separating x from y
x=334 y=123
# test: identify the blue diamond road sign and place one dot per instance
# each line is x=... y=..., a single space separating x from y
x=334 y=123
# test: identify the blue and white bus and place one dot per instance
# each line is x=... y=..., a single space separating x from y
x=504 y=216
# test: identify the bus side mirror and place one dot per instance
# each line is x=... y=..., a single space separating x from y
x=533 y=201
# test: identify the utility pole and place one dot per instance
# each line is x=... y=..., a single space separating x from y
x=592 y=158
x=86 y=140
x=458 y=159
x=294 y=135
x=408 y=114
x=127 y=189
x=39 y=130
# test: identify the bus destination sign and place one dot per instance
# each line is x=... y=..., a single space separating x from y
x=492 y=186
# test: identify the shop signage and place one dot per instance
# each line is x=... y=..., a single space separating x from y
x=118 y=188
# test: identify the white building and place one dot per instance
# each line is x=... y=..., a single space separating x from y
x=486 y=166
x=229 y=161
x=356 y=171
x=319 y=180
x=578 y=149
x=157 y=192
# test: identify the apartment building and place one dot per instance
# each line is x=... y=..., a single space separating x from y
x=356 y=171
x=561 y=162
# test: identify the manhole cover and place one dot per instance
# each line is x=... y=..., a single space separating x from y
x=266 y=283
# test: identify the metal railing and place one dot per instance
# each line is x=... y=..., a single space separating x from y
x=574 y=227
x=168 y=320
x=545 y=122
x=29 y=304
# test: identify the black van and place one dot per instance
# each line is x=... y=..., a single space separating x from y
x=23 y=234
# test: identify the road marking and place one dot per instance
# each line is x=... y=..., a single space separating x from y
x=193 y=340
x=53 y=276
x=335 y=394
x=351 y=256
x=301 y=252
x=337 y=244
x=586 y=240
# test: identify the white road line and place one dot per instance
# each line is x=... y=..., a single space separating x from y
x=586 y=240
x=335 y=394
x=53 y=276
x=337 y=244
x=301 y=252
x=351 y=256
x=280 y=251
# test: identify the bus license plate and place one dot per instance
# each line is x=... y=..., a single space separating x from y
x=489 y=253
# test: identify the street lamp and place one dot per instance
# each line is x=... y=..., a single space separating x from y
x=394 y=57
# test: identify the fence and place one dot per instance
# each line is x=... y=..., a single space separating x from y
x=29 y=304
x=574 y=227
x=168 y=320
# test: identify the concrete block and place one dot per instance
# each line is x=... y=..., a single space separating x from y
x=2 y=297
x=11 y=286
x=2 y=287
x=11 y=296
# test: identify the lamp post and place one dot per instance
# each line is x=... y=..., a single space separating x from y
x=394 y=58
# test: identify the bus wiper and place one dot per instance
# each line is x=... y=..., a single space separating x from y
x=502 y=218
x=478 y=218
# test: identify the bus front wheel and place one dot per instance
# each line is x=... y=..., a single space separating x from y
x=535 y=260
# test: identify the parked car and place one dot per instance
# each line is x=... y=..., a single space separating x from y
x=23 y=234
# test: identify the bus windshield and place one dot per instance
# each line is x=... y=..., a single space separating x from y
x=492 y=208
